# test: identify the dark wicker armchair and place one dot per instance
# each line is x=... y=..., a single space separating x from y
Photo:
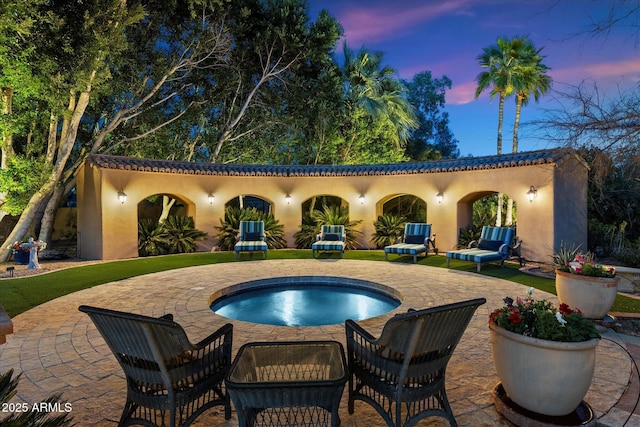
x=402 y=373
x=169 y=380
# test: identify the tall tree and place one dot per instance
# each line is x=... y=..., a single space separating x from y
x=379 y=116
x=532 y=81
x=433 y=138
x=505 y=63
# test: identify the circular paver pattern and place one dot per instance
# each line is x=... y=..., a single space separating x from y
x=58 y=349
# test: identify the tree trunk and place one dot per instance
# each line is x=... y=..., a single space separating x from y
x=167 y=204
x=499 y=210
x=516 y=124
x=500 y=122
x=46 y=228
x=7 y=137
x=508 y=221
x=30 y=211
x=499 y=151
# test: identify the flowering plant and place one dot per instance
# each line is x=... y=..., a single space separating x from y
x=541 y=319
x=574 y=262
x=17 y=246
x=21 y=245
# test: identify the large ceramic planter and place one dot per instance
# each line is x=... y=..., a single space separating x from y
x=593 y=296
x=546 y=377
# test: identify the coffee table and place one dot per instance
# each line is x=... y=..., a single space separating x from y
x=288 y=383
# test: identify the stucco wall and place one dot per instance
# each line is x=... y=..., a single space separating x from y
x=108 y=228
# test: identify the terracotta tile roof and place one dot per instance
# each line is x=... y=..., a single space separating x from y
x=452 y=165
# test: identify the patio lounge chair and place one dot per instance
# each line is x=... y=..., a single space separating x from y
x=416 y=240
x=494 y=245
x=169 y=380
x=331 y=239
x=251 y=238
x=402 y=373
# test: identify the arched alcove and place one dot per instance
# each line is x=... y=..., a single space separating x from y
x=325 y=206
x=480 y=208
x=155 y=206
x=407 y=206
x=250 y=201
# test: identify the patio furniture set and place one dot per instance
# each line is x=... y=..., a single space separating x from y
x=496 y=244
x=171 y=381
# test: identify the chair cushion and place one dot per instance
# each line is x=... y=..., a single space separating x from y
x=414 y=239
x=331 y=237
x=252 y=236
x=490 y=245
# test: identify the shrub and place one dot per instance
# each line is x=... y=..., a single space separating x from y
x=29 y=417
x=182 y=234
x=175 y=235
x=389 y=228
x=468 y=235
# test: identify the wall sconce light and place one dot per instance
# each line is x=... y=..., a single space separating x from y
x=122 y=196
x=532 y=193
x=211 y=198
x=440 y=197
x=361 y=199
x=287 y=198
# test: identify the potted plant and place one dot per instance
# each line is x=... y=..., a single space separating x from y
x=583 y=283
x=20 y=254
x=544 y=357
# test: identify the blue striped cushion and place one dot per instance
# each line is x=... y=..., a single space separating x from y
x=504 y=234
x=405 y=248
x=475 y=255
x=327 y=245
x=250 y=246
x=332 y=229
x=251 y=227
x=417 y=228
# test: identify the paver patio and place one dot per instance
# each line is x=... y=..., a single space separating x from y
x=59 y=351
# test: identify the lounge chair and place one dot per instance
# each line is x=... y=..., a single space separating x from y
x=251 y=238
x=169 y=380
x=495 y=244
x=402 y=373
x=415 y=240
x=331 y=239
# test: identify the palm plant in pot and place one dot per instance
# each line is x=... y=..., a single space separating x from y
x=544 y=356
x=583 y=283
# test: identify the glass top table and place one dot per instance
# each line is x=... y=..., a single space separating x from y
x=288 y=383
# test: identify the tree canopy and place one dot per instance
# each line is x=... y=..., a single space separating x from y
x=198 y=80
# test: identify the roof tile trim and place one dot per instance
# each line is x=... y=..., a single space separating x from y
x=529 y=158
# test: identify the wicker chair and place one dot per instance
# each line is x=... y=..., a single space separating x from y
x=402 y=373
x=169 y=380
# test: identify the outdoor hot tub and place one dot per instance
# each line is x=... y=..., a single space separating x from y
x=304 y=300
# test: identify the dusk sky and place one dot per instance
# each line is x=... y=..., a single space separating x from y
x=446 y=36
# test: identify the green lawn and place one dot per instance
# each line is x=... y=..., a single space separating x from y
x=21 y=294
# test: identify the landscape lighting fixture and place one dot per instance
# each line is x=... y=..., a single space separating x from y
x=532 y=193
x=122 y=196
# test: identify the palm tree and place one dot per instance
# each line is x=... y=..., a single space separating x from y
x=506 y=62
x=534 y=82
x=371 y=90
